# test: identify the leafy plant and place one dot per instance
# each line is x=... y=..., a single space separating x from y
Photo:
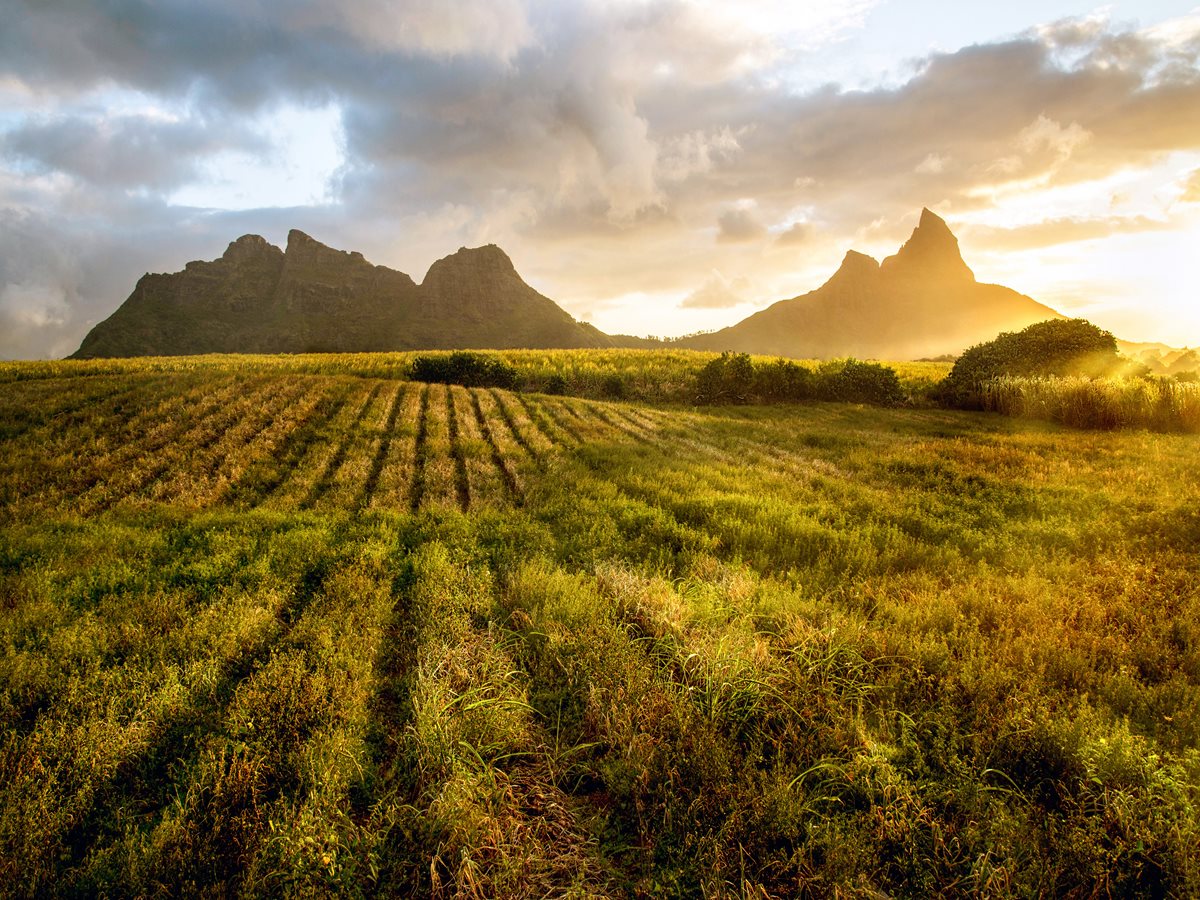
x=462 y=367
x=1054 y=347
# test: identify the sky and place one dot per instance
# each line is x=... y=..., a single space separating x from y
x=654 y=166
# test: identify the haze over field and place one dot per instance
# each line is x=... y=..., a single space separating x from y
x=655 y=167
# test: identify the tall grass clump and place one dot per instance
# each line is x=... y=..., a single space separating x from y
x=1158 y=404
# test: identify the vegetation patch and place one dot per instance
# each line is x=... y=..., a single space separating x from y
x=460 y=367
x=380 y=638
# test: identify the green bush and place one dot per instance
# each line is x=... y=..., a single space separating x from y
x=782 y=381
x=734 y=378
x=614 y=387
x=853 y=381
x=468 y=369
x=1056 y=347
x=727 y=379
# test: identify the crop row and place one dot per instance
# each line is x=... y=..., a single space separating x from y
x=294 y=443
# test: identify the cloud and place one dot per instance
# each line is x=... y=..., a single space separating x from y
x=796 y=233
x=1191 y=191
x=125 y=151
x=1053 y=232
x=933 y=164
x=575 y=134
x=739 y=225
x=717 y=292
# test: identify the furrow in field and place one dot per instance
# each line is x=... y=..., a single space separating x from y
x=266 y=472
x=590 y=423
x=150 y=465
x=487 y=485
x=511 y=456
x=306 y=474
x=518 y=419
x=608 y=414
x=200 y=476
x=500 y=408
x=550 y=421
x=24 y=419
x=636 y=425
x=462 y=484
x=439 y=482
x=396 y=463
x=381 y=443
x=546 y=431
x=268 y=443
x=567 y=422
x=80 y=462
x=350 y=478
x=338 y=450
x=416 y=492
x=502 y=467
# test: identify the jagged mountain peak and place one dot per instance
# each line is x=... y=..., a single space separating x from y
x=921 y=301
x=930 y=253
x=313 y=297
x=488 y=261
x=301 y=244
x=855 y=263
x=250 y=246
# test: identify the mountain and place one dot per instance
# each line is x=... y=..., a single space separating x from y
x=924 y=301
x=309 y=298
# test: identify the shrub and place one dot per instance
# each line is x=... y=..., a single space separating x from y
x=853 y=381
x=1055 y=347
x=468 y=369
x=613 y=387
x=734 y=378
x=780 y=381
x=727 y=379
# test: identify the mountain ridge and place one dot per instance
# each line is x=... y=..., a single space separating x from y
x=309 y=297
x=922 y=301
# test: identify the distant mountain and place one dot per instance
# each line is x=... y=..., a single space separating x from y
x=311 y=298
x=924 y=301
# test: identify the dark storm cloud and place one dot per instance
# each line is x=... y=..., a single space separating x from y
x=125 y=151
x=571 y=126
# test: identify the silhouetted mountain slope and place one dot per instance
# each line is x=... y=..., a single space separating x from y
x=923 y=301
x=259 y=299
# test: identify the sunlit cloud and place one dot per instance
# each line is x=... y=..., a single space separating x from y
x=621 y=153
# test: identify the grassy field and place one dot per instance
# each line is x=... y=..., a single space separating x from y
x=658 y=376
x=294 y=625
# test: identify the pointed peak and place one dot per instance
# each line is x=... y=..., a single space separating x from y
x=931 y=252
x=855 y=260
x=855 y=268
x=250 y=246
x=488 y=252
x=488 y=260
x=297 y=238
x=930 y=219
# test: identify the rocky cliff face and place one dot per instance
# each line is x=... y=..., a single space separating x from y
x=923 y=301
x=259 y=299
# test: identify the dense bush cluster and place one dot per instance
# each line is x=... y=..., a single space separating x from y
x=1057 y=347
x=461 y=367
x=735 y=378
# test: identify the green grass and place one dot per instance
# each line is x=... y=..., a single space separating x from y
x=274 y=630
x=1161 y=404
